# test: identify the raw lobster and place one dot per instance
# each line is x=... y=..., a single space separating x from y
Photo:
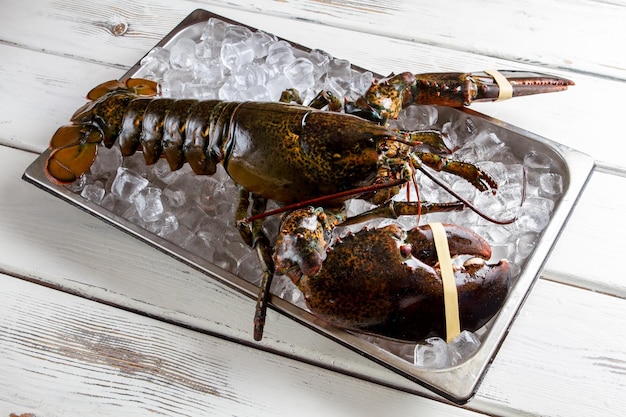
x=291 y=153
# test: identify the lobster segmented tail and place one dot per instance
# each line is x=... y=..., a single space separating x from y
x=73 y=148
x=129 y=113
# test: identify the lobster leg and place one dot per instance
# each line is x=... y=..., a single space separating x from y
x=252 y=234
x=394 y=209
x=430 y=137
x=262 y=246
x=470 y=172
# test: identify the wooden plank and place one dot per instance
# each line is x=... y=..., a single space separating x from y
x=101 y=352
x=589 y=252
x=528 y=31
x=63 y=355
x=41 y=94
x=564 y=356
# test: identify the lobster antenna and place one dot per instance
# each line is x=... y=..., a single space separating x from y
x=469 y=205
x=324 y=199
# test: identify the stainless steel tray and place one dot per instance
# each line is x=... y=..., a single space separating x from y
x=457 y=383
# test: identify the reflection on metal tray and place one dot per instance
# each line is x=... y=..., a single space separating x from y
x=457 y=383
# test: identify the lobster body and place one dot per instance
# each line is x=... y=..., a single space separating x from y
x=280 y=151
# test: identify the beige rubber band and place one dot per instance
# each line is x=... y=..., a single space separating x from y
x=450 y=295
x=506 y=89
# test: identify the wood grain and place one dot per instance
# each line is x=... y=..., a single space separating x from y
x=86 y=352
x=530 y=31
x=62 y=355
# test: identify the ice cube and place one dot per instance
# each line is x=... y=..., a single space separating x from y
x=156 y=63
x=418 y=117
x=525 y=244
x=300 y=73
x=286 y=289
x=249 y=269
x=339 y=68
x=107 y=162
x=181 y=236
x=200 y=91
x=255 y=93
x=193 y=218
x=459 y=131
x=114 y=204
x=229 y=90
x=236 y=34
x=339 y=77
x=148 y=204
x=487 y=145
x=183 y=54
x=261 y=42
x=215 y=29
x=433 y=353
x=533 y=218
x=235 y=55
x=550 y=184
x=128 y=184
x=229 y=252
x=174 y=81
x=208 y=49
x=361 y=82
x=175 y=196
x=537 y=160
x=277 y=85
x=250 y=75
x=163 y=225
x=320 y=60
x=463 y=347
x=279 y=55
x=93 y=193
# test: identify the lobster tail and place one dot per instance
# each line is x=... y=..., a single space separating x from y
x=74 y=148
x=129 y=113
x=73 y=151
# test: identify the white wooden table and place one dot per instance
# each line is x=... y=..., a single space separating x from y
x=94 y=322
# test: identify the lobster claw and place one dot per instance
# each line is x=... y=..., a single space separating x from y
x=494 y=85
x=462 y=89
x=386 y=281
x=387 y=97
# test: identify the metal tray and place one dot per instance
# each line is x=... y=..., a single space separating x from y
x=457 y=383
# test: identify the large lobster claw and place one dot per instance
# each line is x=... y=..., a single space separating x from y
x=388 y=96
x=387 y=281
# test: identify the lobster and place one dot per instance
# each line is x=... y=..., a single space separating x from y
x=302 y=156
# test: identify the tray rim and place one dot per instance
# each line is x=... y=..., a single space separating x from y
x=472 y=371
